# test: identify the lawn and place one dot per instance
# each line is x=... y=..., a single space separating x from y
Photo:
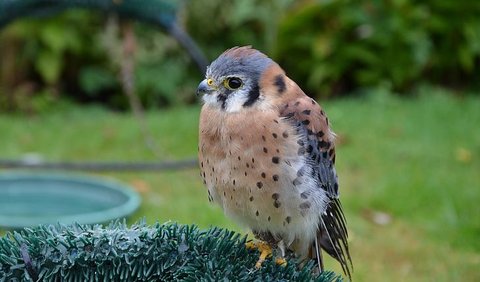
x=409 y=172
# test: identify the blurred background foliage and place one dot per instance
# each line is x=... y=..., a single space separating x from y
x=330 y=47
x=348 y=45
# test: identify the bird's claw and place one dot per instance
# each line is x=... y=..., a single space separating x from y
x=281 y=261
x=265 y=252
x=250 y=245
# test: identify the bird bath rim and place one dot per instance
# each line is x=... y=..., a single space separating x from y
x=83 y=181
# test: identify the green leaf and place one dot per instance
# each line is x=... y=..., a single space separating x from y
x=49 y=65
x=95 y=79
x=54 y=36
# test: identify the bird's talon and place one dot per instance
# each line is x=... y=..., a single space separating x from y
x=281 y=261
x=250 y=245
x=264 y=248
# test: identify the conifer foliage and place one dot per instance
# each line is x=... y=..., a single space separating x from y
x=162 y=252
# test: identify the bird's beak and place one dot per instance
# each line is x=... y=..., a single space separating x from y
x=203 y=88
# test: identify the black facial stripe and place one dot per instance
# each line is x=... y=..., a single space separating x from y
x=280 y=84
x=222 y=98
x=253 y=95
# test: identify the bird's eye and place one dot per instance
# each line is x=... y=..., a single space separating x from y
x=210 y=82
x=233 y=83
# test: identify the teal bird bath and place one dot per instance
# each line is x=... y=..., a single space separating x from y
x=32 y=198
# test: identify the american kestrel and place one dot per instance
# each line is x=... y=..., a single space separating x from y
x=267 y=155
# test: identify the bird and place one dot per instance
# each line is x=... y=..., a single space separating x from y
x=267 y=157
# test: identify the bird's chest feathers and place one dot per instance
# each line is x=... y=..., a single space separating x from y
x=243 y=139
x=250 y=164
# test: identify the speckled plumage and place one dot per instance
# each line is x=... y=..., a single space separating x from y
x=267 y=156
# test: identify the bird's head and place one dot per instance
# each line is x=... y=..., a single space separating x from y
x=233 y=80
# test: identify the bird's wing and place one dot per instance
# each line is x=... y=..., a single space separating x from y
x=317 y=140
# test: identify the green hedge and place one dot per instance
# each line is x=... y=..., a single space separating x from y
x=162 y=252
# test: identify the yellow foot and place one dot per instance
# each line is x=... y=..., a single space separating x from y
x=265 y=251
x=251 y=245
x=264 y=248
x=281 y=261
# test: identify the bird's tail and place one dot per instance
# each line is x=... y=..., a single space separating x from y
x=332 y=237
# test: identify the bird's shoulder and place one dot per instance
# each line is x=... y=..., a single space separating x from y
x=292 y=103
x=304 y=112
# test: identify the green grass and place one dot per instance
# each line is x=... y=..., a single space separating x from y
x=415 y=160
